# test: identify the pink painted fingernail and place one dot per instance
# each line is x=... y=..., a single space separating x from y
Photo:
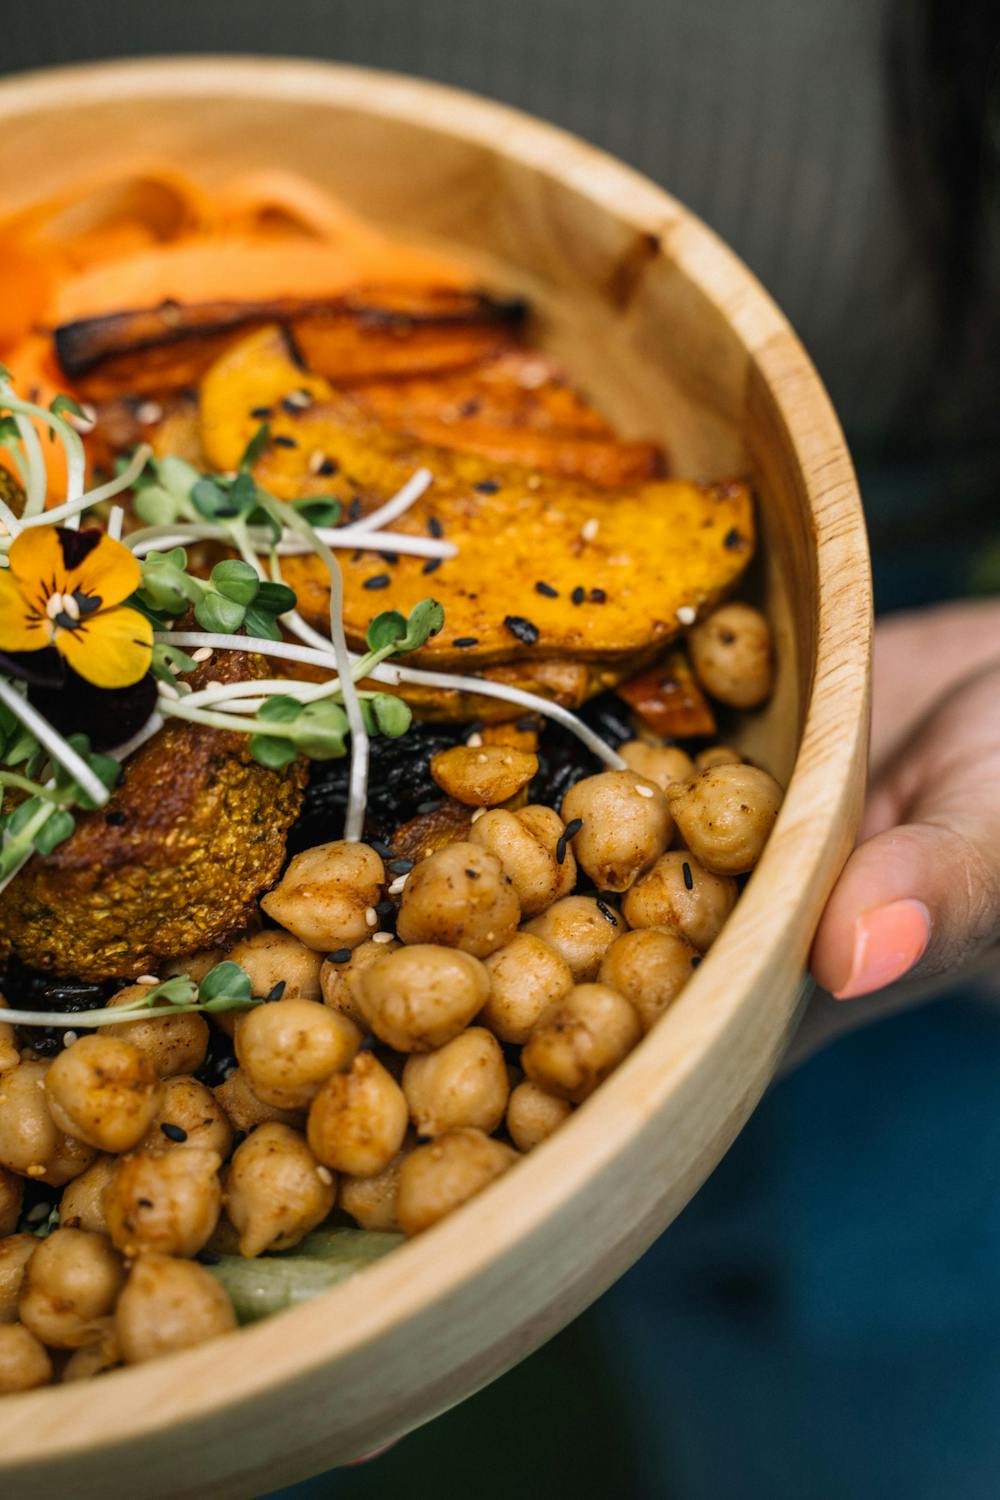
x=888 y=941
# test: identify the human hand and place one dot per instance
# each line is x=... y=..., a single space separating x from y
x=920 y=895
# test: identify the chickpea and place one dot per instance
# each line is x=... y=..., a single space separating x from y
x=714 y=755
x=173 y=1044
x=460 y=897
x=244 y=1110
x=11 y=1198
x=93 y=1359
x=483 y=776
x=272 y=958
x=289 y=1048
x=325 y=893
x=189 y=1115
x=580 y=1040
x=419 y=997
x=276 y=1191
x=31 y=1143
x=82 y=1204
x=579 y=932
x=626 y=826
x=341 y=980
x=438 y=1178
x=731 y=655
x=649 y=967
x=372 y=1201
x=358 y=1119
x=725 y=816
x=681 y=894
x=70 y=1288
x=526 y=976
x=662 y=764
x=15 y=1252
x=164 y=1201
x=532 y=1115
x=525 y=843
x=9 y=1054
x=168 y=1305
x=104 y=1091
x=462 y=1083
x=24 y=1364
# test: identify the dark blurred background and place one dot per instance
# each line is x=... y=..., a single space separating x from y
x=823 y=1322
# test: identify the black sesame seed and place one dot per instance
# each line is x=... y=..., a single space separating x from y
x=546 y=589
x=208 y=1258
x=695 y=960
x=598 y=596
x=354 y=509
x=401 y=866
x=283 y=441
x=487 y=486
x=472 y=874
x=523 y=629
x=528 y=722
x=174 y=1133
x=144 y=1202
x=688 y=877
x=423 y=808
x=114 y=818
x=339 y=956
x=277 y=991
x=434 y=527
x=605 y=911
x=733 y=540
x=470 y=408
x=432 y=564
x=569 y=832
x=578 y=595
x=379 y=581
x=384 y=908
x=328 y=466
x=383 y=851
x=466 y=640
x=392 y=558
x=261 y=412
x=291 y=407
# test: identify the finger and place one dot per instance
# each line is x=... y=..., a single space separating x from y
x=923 y=896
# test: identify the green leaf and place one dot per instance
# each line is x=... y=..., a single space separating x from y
x=392 y=715
x=275 y=754
x=226 y=979
x=320 y=730
x=368 y=715
x=426 y=619
x=22 y=816
x=177 y=476
x=261 y=624
x=236 y=580
x=54 y=831
x=319 y=510
x=9 y=431
x=61 y=404
x=281 y=709
x=217 y=613
x=262 y=520
x=156 y=506
x=255 y=447
x=210 y=500
x=386 y=629
x=275 y=598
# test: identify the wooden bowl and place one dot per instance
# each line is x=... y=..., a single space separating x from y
x=675 y=338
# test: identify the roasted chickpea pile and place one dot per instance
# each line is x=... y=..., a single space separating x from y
x=428 y=1022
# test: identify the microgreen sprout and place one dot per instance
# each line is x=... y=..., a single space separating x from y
x=226 y=987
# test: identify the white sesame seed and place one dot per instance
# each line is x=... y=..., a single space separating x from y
x=482 y=760
x=325 y=1175
x=148 y=412
x=301 y=399
x=203 y=653
x=590 y=529
x=382 y=937
x=480 y=812
x=474 y=741
x=371 y=916
x=532 y=376
x=69 y=1037
x=147 y=979
x=644 y=791
x=687 y=614
x=317 y=458
x=397 y=885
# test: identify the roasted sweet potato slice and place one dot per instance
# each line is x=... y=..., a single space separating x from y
x=668 y=697
x=381 y=332
x=614 y=565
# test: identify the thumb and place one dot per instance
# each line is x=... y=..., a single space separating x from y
x=922 y=895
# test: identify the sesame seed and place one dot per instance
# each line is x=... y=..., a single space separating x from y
x=482 y=759
x=605 y=911
x=644 y=791
x=149 y=412
x=377 y=581
x=261 y=412
x=474 y=741
x=569 y=832
x=696 y=960
x=384 y=908
x=396 y=888
x=297 y=400
x=174 y=1132
x=371 y=916
x=147 y=979
x=590 y=529
x=277 y=990
x=464 y=641
x=401 y=866
x=317 y=458
x=382 y=937
x=203 y=653
x=341 y=956
x=284 y=441
x=434 y=527
x=522 y=629
x=687 y=614
x=487 y=486
x=688 y=877
x=327 y=467
x=432 y=564
x=598 y=596
x=325 y=1175
x=69 y=1037
x=578 y=595
x=480 y=812
x=547 y=590
x=733 y=540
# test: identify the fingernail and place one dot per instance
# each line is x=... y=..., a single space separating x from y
x=888 y=941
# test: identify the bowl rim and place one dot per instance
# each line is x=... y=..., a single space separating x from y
x=128 y=1405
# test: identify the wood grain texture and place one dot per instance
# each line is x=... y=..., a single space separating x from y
x=672 y=335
